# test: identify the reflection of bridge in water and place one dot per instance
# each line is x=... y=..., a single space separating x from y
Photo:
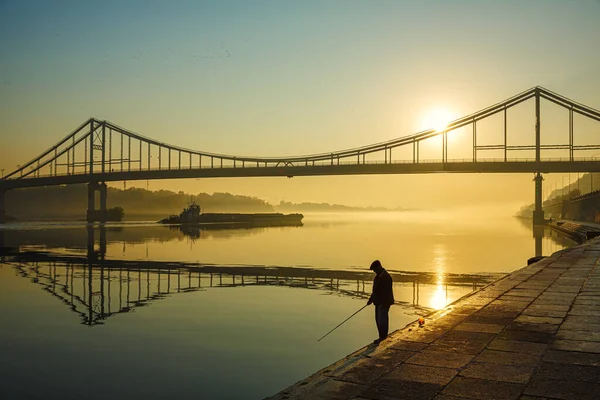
x=97 y=288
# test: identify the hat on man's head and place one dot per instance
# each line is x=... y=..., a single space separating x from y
x=375 y=264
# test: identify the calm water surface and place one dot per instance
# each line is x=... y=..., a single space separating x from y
x=137 y=310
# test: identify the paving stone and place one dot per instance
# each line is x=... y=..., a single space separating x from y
x=417 y=335
x=593 y=290
x=490 y=294
x=479 y=327
x=388 y=389
x=578 y=326
x=587 y=296
x=557 y=296
x=520 y=292
x=406 y=345
x=563 y=389
x=568 y=372
x=446 y=397
x=517 y=346
x=526 y=336
x=462 y=342
x=365 y=373
x=510 y=305
x=538 y=312
x=519 y=299
x=576 y=345
x=489 y=318
x=369 y=369
x=335 y=390
x=519 y=295
x=534 y=285
x=555 y=307
x=538 y=320
x=507 y=358
x=588 y=336
x=440 y=359
x=559 y=288
x=570 y=357
x=422 y=373
x=583 y=319
x=585 y=302
x=467 y=335
x=483 y=389
x=585 y=310
x=524 y=326
x=498 y=310
x=552 y=301
x=457 y=314
x=495 y=372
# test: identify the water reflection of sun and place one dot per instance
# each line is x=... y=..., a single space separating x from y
x=439 y=298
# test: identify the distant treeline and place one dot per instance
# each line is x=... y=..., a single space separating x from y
x=285 y=206
x=71 y=202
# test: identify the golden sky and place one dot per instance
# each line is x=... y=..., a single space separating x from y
x=268 y=78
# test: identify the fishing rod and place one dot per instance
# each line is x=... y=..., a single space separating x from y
x=343 y=322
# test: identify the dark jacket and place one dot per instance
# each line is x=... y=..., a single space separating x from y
x=383 y=293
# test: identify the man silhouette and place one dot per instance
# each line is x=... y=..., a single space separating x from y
x=382 y=297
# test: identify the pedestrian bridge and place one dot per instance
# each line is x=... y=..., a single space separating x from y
x=100 y=151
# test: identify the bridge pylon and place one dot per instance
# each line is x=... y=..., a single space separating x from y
x=94 y=215
x=538 y=212
x=2 y=206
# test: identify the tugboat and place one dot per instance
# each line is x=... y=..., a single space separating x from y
x=189 y=215
x=192 y=214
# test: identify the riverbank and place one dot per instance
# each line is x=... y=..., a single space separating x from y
x=531 y=333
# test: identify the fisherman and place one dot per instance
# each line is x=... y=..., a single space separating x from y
x=382 y=297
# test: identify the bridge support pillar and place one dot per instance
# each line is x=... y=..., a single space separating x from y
x=103 y=195
x=91 y=250
x=102 y=244
x=93 y=214
x=2 y=206
x=91 y=210
x=93 y=253
x=538 y=212
x=538 y=235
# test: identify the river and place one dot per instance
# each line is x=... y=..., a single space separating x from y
x=138 y=310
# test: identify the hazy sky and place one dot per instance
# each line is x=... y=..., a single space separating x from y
x=273 y=78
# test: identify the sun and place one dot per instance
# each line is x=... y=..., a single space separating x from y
x=437 y=119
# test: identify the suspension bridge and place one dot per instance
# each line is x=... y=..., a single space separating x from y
x=98 y=152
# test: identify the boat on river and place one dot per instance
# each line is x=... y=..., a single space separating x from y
x=193 y=215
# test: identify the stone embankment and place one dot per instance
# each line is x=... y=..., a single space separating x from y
x=578 y=231
x=534 y=334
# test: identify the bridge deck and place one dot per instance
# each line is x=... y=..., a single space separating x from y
x=533 y=334
x=481 y=166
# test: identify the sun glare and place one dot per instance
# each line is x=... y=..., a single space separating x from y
x=439 y=298
x=437 y=119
